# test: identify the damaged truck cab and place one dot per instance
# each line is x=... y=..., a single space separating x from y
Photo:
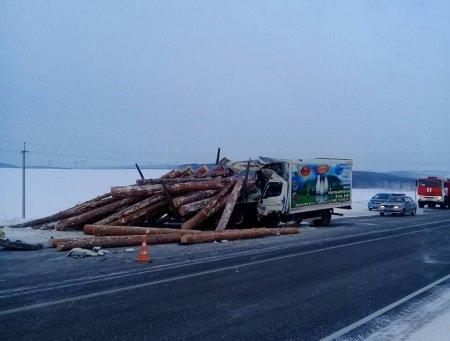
x=294 y=190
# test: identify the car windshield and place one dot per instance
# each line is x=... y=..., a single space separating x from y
x=397 y=199
x=381 y=196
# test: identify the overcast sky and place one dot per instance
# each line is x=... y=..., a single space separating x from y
x=173 y=80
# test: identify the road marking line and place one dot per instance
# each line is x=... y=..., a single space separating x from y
x=195 y=274
x=391 y=306
x=91 y=279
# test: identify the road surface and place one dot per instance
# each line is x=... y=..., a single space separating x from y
x=322 y=283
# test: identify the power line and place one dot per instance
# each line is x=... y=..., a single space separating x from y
x=93 y=149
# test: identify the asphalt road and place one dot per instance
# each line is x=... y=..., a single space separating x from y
x=303 y=287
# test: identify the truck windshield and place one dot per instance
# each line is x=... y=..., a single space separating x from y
x=273 y=189
x=430 y=182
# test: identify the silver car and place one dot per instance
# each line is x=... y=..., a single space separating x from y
x=398 y=204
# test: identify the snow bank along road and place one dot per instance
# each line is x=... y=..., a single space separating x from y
x=322 y=282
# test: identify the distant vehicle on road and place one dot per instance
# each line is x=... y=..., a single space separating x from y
x=433 y=191
x=377 y=200
x=399 y=204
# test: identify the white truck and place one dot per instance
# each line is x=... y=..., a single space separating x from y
x=293 y=190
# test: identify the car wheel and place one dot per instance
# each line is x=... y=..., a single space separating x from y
x=370 y=209
x=381 y=213
x=414 y=211
x=403 y=212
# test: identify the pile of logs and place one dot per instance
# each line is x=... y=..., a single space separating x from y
x=202 y=199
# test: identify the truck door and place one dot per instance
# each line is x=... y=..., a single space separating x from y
x=274 y=197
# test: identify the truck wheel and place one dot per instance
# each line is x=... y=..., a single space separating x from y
x=421 y=205
x=432 y=205
x=324 y=221
x=298 y=220
x=443 y=206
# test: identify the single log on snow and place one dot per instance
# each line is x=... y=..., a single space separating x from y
x=129 y=210
x=235 y=235
x=192 y=207
x=94 y=215
x=214 y=205
x=183 y=200
x=115 y=241
x=231 y=203
x=139 y=214
x=101 y=200
x=110 y=230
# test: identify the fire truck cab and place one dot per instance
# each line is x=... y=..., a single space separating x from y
x=432 y=191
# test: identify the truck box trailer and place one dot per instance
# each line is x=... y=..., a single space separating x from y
x=302 y=189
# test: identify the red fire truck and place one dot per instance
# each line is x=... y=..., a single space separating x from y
x=433 y=191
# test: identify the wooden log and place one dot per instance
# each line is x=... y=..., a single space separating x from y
x=189 y=187
x=129 y=210
x=186 y=199
x=101 y=200
x=111 y=230
x=235 y=235
x=192 y=207
x=216 y=173
x=143 y=212
x=94 y=215
x=231 y=203
x=136 y=191
x=201 y=170
x=214 y=205
x=142 y=182
x=116 y=241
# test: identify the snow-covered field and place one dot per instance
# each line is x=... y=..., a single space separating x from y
x=51 y=190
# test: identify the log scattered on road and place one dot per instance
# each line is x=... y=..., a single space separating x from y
x=231 y=203
x=115 y=241
x=235 y=235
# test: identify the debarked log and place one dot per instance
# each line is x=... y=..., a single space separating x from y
x=231 y=203
x=192 y=207
x=235 y=235
x=142 y=182
x=136 y=191
x=115 y=241
x=94 y=215
x=111 y=230
x=129 y=210
x=137 y=215
x=186 y=199
x=214 y=205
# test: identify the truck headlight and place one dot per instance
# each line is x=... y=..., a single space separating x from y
x=439 y=198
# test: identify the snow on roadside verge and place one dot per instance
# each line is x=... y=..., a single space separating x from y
x=426 y=319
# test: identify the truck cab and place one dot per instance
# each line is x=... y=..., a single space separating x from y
x=432 y=191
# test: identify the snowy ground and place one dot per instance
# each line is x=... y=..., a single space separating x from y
x=52 y=190
x=423 y=320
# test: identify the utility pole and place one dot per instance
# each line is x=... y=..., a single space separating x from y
x=24 y=151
